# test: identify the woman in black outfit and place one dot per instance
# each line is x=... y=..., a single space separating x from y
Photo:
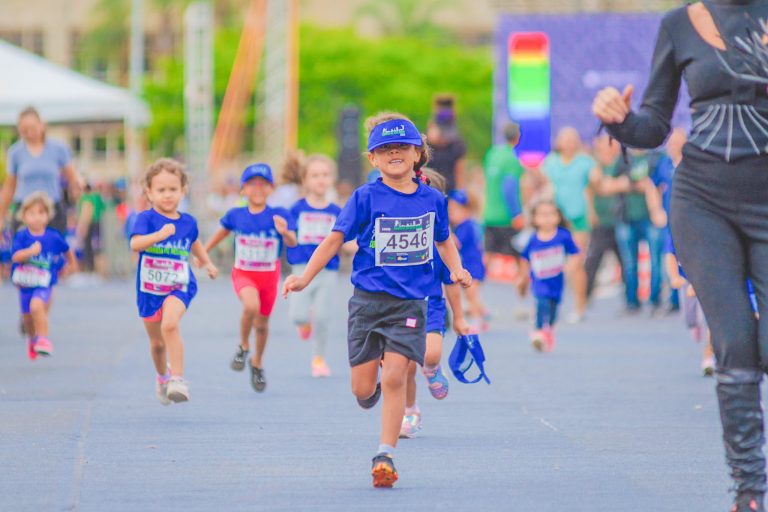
x=719 y=214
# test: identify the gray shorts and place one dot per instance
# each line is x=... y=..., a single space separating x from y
x=379 y=323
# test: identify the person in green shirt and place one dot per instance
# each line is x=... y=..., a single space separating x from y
x=501 y=162
x=607 y=153
x=90 y=210
x=639 y=216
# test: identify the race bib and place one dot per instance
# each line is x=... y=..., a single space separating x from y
x=403 y=241
x=548 y=262
x=30 y=276
x=161 y=276
x=314 y=227
x=256 y=253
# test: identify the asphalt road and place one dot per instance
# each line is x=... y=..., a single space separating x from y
x=618 y=418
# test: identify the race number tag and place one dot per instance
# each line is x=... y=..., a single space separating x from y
x=314 y=227
x=30 y=276
x=548 y=262
x=404 y=241
x=161 y=276
x=256 y=253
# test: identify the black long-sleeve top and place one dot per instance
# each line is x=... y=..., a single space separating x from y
x=730 y=114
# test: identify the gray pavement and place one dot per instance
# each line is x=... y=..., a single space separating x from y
x=617 y=419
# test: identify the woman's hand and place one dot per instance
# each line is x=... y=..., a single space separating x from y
x=611 y=106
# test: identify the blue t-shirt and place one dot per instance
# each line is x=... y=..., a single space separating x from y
x=547 y=260
x=164 y=268
x=258 y=245
x=442 y=276
x=45 y=266
x=408 y=226
x=313 y=226
x=38 y=173
x=470 y=236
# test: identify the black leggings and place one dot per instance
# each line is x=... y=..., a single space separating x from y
x=719 y=222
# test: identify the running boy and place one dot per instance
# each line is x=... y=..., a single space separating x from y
x=437 y=316
x=38 y=254
x=396 y=220
x=315 y=217
x=549 y=254
x=165 y=285
x=260 y=232
x=469 y=239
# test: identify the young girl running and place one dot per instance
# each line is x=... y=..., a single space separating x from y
x=694 y=315
x=469 y=239
x=38 y=254
x=260 y=232
x=315 y=217
x=436 y=326
x=165 y=285
x=396 y=220
x=549 y=254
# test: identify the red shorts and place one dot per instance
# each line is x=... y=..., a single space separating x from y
x=265 y=282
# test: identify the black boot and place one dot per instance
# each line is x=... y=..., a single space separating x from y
x=741 y=413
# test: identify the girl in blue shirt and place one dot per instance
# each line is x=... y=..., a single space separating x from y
x=549 y=254
x=38 y=254
x=469 y=238
x=437 y=316
x=315 y=217
x=396 y=220
x=165 y=285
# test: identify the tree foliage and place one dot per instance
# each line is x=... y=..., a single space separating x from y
x=338 y=68
x=400 y=73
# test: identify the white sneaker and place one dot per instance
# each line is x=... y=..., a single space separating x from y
x=574 y=317
x=178 y=390
x=161 y=389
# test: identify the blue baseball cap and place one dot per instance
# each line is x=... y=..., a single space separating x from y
x=467 y=352
x=256 y=171
x=459 y=196
x=398 y=131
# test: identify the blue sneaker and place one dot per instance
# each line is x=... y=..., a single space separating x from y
x=438 y=383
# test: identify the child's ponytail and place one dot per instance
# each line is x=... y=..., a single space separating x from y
x=426 y=154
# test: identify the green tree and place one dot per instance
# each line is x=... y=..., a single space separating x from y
x=337 y=68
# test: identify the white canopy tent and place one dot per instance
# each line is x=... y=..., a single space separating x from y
x=62 y=96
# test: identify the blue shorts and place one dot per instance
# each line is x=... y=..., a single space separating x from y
x=27 y=294
x=436 y=315
x=150 y=305
x=477 y=271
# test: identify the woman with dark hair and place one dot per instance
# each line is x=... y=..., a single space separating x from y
x=38 y=164
x=719 y=211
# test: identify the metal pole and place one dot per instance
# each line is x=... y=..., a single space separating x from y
x=136 y=72
x=198 y=98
